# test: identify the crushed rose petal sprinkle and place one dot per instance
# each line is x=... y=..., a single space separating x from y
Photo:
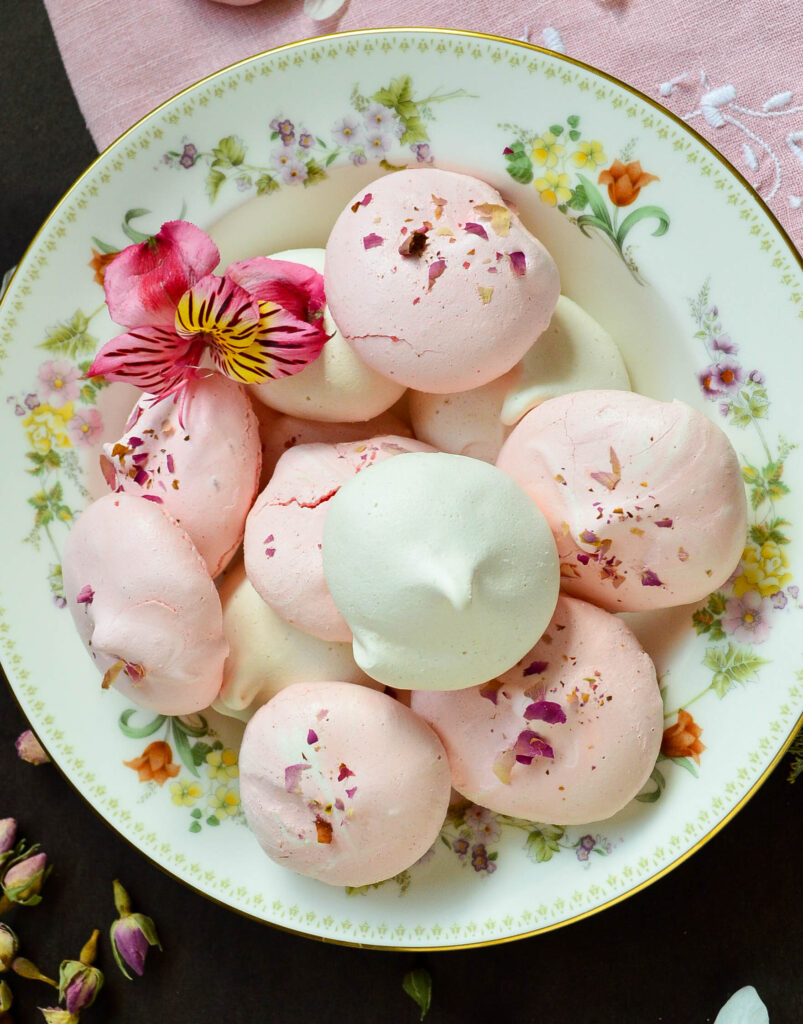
x=548 y=711
x=85 y=595
x=535 y=668
x=152 y=497
x=665 y=523
x=350 y=792
x=292 y=776
x=372 y=241
x=324 y=830
x=518 y=263
x=491 y=691
x=476 y=229
x=529 y=745
x=650 y=579
x=312 y=737
x=436 y=268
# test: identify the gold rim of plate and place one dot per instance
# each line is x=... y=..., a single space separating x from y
x=796 y=255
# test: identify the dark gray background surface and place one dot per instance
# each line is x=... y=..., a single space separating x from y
x=731 y=915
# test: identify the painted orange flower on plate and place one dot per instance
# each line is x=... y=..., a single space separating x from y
x=683 y=738
x=625 y=181
x=155 y=763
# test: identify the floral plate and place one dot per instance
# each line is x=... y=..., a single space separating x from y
x=654 y=235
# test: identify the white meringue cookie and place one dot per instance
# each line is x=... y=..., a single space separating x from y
x=337 y=386
x=266 y=654
x=445 y=573
x=573 y=354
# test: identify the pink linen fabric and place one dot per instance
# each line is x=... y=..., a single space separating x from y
x=733 y=70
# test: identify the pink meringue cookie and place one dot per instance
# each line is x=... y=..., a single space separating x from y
x=144 y=605
x=458 y=310
x=278 y=433
x=284 y=530
x=645 y=499
x=204 y=471
x=568 y=736
x=342 y=783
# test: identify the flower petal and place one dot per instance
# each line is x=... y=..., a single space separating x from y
x=144 y=282
x=293 y=286
x=155 y=359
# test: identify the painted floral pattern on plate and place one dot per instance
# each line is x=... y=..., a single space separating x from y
x=184 y=757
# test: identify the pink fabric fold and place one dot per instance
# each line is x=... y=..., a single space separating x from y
x=733 y=70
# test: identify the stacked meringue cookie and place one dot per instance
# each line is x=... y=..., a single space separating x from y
x=465 y=544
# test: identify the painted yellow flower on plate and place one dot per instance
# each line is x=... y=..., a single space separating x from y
x=589 y=154
x=46 y=427
x=546 y=150
x=553 y=188
x=763 y=569
x=184 y=793
x=224 y=801
x=222 y=765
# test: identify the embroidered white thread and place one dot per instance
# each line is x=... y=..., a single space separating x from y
x=780 y=99
x=749 y=157
x=526 y=37
x=553 y=40
x=667 y=88
x=795 y=143
x=796 y=202
x=715 y=104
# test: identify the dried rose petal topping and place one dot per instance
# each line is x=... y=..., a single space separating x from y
x=85 y=595
x=436 y=268
x=548 y=711
x=372 y=241
x=312 y=737
x=536 y=668
x=530 y=744
x=324 y=830
x=665 y=523
x=650 y=579
x=292 y=777
x=350 y=792
x=476 y=229
x=490 y=691
x=518 y=263
x=499 y=216
x=609 y=480
x=366 y=199
x=589 y=537
x=344 y=772
x=111 y=674
x=152 y=497
x=503 y=765
x=485 y=294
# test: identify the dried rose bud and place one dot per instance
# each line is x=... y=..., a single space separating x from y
x=30 y=749
x=9 y=945
x=24 y=880
x=8 y=834
x=6 y=997
x=27 y=969
x=79 y=981
x=131 y=934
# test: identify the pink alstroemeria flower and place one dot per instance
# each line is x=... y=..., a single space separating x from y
x=262 y=320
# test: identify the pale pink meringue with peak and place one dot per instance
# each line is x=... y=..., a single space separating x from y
x=144 y=605
x=645 y=499
x=284 y=529
x=568 y=735
x=204 y=472
x=342 y=783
